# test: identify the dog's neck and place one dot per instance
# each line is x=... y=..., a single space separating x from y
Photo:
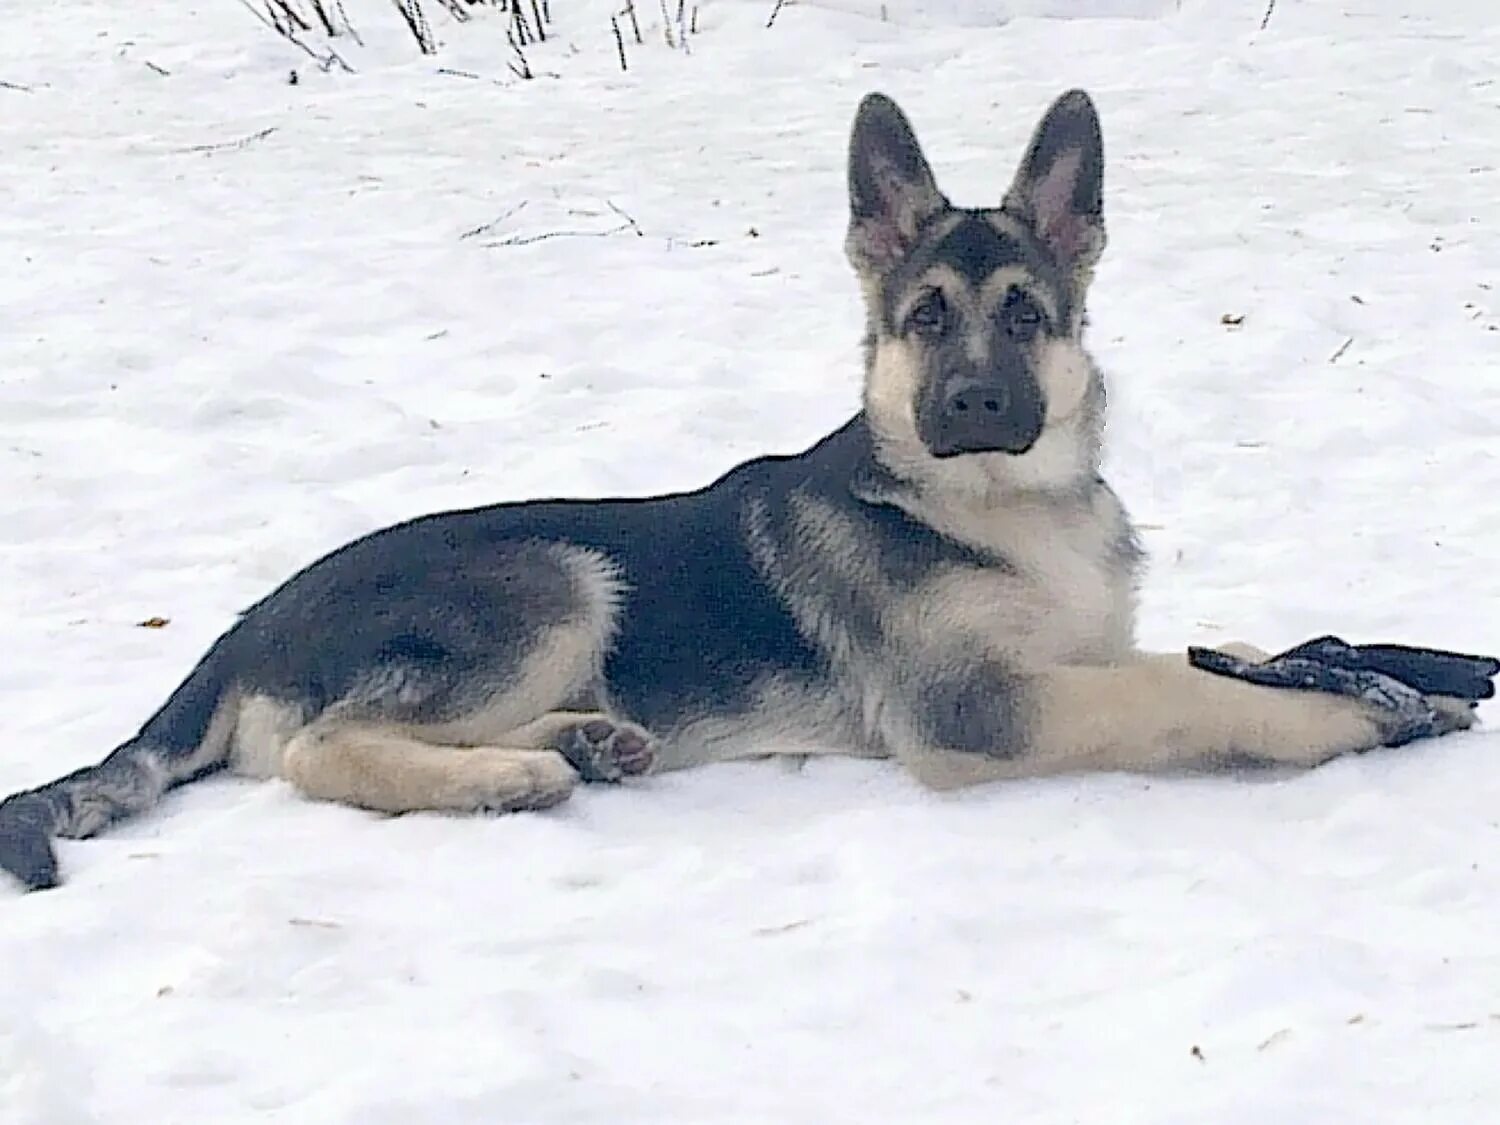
x=958 y=496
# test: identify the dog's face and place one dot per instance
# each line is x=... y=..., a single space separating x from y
x=976 y=315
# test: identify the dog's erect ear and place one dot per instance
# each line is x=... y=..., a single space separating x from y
x=1059 y=188
x=891 y=189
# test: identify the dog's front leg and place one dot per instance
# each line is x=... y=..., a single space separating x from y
x=1146 y=713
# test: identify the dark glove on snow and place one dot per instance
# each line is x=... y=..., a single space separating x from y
x=1393 y=678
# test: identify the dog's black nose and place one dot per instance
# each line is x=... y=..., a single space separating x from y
x=987 y=417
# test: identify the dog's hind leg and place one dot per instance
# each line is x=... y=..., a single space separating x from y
x=394 y=770
x=388 y=657
x=389 y=770
x=478 y=720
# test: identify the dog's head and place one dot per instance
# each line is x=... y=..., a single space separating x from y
x=977 y=376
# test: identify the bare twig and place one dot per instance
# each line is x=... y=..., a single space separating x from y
x=527 y=240
x=1342 y=348
x=338 y=6
x=776 y=11
x=489 y=227
x=325 y=62
x=470 y=75
x=520 y=67
x=15 y=86
x=629 y=222
x=324 y=16
x=416 y=22
x=283 y=14
x=1266 y=19
x=243 y=142
x=519 y=26
x=666 y=26
x=627 y=225
x=536 y=15
x=693 y=26
x=634 y=23
x=619 y=42
x=163 y=71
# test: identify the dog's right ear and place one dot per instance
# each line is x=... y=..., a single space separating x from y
x=892 y=192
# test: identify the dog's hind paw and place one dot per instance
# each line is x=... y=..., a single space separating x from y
x=606 y=750
x=508 y=781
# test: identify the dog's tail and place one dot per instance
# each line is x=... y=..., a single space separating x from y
x=186 y=739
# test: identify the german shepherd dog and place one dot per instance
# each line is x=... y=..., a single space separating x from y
x=945 y=580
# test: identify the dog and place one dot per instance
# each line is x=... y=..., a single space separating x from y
x=945 y=580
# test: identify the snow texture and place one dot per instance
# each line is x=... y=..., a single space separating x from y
x=242 y=324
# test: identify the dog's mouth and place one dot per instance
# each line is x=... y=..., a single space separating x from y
x=1012 y=433
x=1012 y=448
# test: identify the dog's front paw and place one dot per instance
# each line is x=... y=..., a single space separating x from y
x=607 y=750
x=1399 y=712
x=1453 y=714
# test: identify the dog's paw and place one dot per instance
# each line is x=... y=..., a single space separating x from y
x=606 y=750
x=1396 y=712
x=509 y=781
x=1453 y=714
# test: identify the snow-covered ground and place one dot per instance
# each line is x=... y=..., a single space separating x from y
x=240 y=323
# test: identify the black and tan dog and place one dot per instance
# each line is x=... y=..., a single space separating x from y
x=945 y=580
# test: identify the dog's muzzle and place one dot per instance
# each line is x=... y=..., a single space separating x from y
x=987 y=417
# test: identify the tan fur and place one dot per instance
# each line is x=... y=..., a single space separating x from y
x=1062 y=600
x=563 y=662
x=262 y=729
x=386 y=769
x=1064 y=373
x=786 y=720
x=1156 y=713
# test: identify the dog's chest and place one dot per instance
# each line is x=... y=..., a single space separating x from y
x=1060 y=589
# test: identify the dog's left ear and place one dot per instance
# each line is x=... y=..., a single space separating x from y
x=1059 y=188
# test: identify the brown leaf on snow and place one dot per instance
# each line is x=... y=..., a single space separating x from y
x=154 y=623
x=1232 y=320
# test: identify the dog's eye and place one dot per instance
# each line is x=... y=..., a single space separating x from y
x=1021 y=315
x=929 y=316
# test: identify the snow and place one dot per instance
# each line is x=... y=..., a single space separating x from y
x=216 y=363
